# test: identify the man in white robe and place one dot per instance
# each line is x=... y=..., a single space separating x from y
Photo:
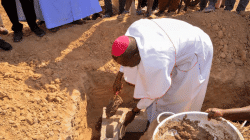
x=169 y=63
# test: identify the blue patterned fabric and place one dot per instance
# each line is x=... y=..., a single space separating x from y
x=59 y=12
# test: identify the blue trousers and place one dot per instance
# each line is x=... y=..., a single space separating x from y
x=28 y=9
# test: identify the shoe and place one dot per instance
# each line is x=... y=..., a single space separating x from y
x=139 y=12
x=106 y=16
x=210 y=8
x=40 y=22
x=95 y=16
x=54 y=29
x=201 y=9
x=87 y=18
x=3 y=31
x=148 y=14
x=125 y=12
x=159 y=13
x=4 y=45
x=18 y=36
x=79 y=22
x=39 y=32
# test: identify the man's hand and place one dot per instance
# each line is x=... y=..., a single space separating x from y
x=129 y=118
x=214 y=113
x=131 y=115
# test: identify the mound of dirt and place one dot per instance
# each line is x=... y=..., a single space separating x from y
x=55 y=87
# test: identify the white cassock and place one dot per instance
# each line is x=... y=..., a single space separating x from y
x=176 y=59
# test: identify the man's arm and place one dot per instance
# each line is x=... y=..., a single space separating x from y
x=230 y=114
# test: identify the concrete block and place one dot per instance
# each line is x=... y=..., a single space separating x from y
x=111 y=126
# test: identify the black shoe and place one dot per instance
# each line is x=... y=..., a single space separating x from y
x=79 y=22
x=201 y=9
x=4 y=45
x=39 y=32
x=40 y=23
x=18 y=36
x=54 y=29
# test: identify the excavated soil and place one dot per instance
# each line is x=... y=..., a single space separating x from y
x=187 y=129
x=55 y=87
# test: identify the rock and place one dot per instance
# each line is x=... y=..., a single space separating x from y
x=203 y=23
x=51 y=88
x=37 y=86
x=22 y=118
x=208 y=25
x=216 y=27
x=57 y=122
x=238 y=62
x=7 y=75
x=58 y=99
x=52 y=98
x=221 y=42
x=225 y=48
x=11 y=122
x=37 y=100
x=225 y=41
x=3 y=94
x=30 y=119
x=220 y=34
x=36 y=76
x=68 y=138
x=3 y=112
x=57 y=80
x=229 y=59
x=223 y=55
x=243 y=55
x=223 y=29
x=48 y=71
x=51 y=133
x=35 y=120
x=47 y=38
x=18 y=77
x=38 y=39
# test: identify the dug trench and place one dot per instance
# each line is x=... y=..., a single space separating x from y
x=55 y=87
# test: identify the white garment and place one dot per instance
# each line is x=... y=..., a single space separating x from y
x=161 y=43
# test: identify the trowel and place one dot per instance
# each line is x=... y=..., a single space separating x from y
x=112 y=107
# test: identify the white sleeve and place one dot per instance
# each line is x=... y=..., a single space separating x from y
x=121 y=69
x=144 y=103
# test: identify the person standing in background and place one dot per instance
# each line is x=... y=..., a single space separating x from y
x=28 y=9
x=4 y=45
x=108 y=7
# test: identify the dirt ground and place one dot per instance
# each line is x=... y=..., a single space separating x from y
x=55 y=87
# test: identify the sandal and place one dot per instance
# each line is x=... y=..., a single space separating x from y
x=210 y=8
